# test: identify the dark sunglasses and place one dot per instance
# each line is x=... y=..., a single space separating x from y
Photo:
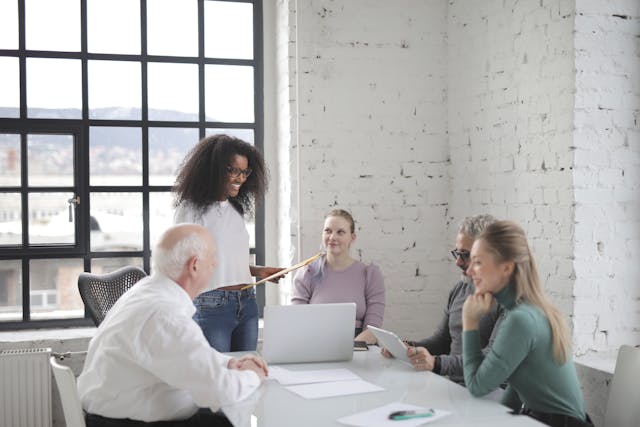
x=465 y=255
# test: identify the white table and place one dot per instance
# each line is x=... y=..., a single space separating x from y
x=275 y=406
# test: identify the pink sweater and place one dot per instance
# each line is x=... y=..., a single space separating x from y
x=359 y=283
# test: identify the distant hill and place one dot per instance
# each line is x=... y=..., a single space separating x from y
x=105 y=139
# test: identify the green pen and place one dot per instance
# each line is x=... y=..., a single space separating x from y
x=408 y=415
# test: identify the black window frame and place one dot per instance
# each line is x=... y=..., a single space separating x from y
x=80 y=129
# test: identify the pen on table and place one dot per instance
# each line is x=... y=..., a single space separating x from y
x=408 y=415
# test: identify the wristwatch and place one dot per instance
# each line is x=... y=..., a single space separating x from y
x=436 y=365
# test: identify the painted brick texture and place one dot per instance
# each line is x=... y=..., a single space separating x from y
x=414 y=114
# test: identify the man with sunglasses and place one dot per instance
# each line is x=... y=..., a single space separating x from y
x=442 y=351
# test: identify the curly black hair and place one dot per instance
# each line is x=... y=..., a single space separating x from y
x=203 y=174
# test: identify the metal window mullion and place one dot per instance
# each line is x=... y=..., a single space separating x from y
x=144 y=73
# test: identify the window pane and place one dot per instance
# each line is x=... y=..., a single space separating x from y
x=114 y=90
x=229 y=90
x=53 y=291
x=50 y=160
x=107 y=265
x=10 y=291
x=10 y=160
x=160 y=215
x=8 y=24
x=53 y=25
x=118 y=221
x=10 y=219
x=167 y=149
x=101 y=14
x=115 y=156
x=228 y=30
x=247 y=135
x=54 y=88
x=172 y=27
x=173 y=92
x=49 y=219
x=9 y=86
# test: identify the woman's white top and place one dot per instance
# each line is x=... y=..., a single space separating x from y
x=230 y=234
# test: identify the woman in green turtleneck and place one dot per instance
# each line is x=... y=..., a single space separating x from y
x=532 y=347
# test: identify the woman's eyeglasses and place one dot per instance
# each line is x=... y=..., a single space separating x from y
x=465 y=255
x=236 y=172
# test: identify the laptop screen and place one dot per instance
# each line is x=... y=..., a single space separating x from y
x=308 y=333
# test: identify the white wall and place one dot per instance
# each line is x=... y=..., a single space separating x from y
x=510 y=124
x=368 y=134
x=607 y=174
x=414 y=114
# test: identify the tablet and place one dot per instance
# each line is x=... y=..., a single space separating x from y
x=391 y=342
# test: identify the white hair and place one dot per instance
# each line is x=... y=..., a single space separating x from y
x=171 y=261
x=472 y=226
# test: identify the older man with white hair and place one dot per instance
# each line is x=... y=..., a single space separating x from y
x=149 y=363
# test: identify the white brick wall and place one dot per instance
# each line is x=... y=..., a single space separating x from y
x=510 y=130
x=413 y=114
x=371 y=138
x=607 y=174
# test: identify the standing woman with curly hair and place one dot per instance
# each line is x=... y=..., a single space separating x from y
x=216 y=186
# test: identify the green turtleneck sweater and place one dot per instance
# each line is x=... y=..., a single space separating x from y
x=522 y=355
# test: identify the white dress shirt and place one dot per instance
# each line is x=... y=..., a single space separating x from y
x=149 y=360
x=229 y=231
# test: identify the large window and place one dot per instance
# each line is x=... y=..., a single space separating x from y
x=100 y=100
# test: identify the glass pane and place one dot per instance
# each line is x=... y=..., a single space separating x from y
x=53 y=25
x=173 y=92
x=107 y=265
x=117 y=222
x=115 y=156
x=54 y=88
x=53 y=291
x=101 y=38
x=50 y=160
x=9 y=85
x=10 y=160
x=247 y=135
x=167 y=149
x=172 y=27
x=160 y=215
x=228 y=30
x=8 y=24
x=10 y=291
x=229 y=90
x=10 y=219
x=114 y=90
x=49 y=219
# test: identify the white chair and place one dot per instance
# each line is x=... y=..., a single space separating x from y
x=623 y=406
x=71 y=405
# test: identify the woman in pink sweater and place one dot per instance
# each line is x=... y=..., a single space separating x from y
x=337 y=277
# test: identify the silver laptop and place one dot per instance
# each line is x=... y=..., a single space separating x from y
x=308 y=333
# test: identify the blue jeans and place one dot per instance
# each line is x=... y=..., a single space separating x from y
x=229 y=319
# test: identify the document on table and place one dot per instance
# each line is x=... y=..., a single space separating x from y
x=380 y=416
x=288 y=377
x=334 y=388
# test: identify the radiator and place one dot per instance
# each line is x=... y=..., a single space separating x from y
x=25 y=388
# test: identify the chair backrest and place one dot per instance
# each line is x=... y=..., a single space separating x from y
x=71 y=406
x=623 y=406
x=100 y=291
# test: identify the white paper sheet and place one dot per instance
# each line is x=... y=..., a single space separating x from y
x=288 y=377
x=335 y=388
x=379 y=417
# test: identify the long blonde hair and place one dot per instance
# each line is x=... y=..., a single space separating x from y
x=507 y=241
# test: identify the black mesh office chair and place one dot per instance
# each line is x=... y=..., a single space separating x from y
x=100 y=291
